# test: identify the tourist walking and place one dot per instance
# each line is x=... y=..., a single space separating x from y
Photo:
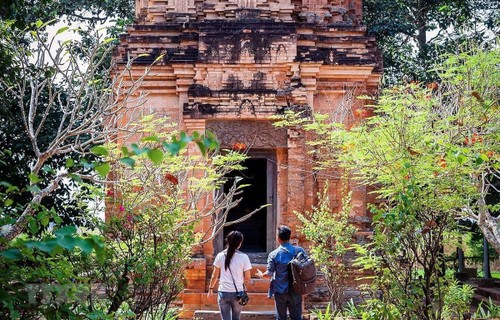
x=234 y=267
x=277 y=269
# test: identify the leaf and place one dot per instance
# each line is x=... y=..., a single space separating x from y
x=201 y=145
x=45 y=246
x=61 y=30
x=67 y=242
x=484 y=157
x=75 y=177
x=45 y=220
x=461 y=159
x=151 y=139
x=185 y=139
x=12 y=188
x=138 y=150
x=86 y=164
x=159 y=58
x=34 y=189
x=155 y=155
x=65 y=231
x=100 y=150
x=65 y=43
x=57 y=219
x=48 y=23
x=171 y=178
x=34 y=179
x=8 y=202
x=47 y=169
x=173 y=148
x=108 y=40
x=103 y=169
x=479 y=160
x=128 y=161
x=12 y=254
x=125 y=151
x=69 y=163
x=87 y=245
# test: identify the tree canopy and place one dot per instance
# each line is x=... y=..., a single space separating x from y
x=413 y=34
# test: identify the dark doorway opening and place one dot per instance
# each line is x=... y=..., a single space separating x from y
x=254 y=229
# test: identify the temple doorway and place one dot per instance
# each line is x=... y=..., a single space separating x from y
x=259 y=230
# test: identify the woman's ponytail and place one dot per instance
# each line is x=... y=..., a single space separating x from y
x=233 y=241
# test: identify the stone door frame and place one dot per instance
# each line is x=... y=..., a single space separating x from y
x=272 y=212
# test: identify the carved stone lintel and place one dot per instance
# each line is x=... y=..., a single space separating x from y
x=247 y=3
x=254 y=134
x=182 y=5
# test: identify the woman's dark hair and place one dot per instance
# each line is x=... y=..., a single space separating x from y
x=233 y=241
x=284 y=233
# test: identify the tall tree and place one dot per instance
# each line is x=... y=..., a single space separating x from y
x=432 y=154
x=17 y=18
x=412 y=34
x=61 y=105
x=25 y=12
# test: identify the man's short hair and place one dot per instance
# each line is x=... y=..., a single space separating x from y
x=284 y=233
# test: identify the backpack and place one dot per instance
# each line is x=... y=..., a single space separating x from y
x=302 y=274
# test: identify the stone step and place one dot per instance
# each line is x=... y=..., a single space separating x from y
x=478 y=300
x=258 y=301
x=492 y=293
x=254 y=285
x=253 y=272
x=215 y=314
x=258 y=285
x=192 y=302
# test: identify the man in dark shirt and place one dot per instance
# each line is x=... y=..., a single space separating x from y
x=277 y=270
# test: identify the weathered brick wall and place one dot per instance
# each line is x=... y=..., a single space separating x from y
x=242 y=61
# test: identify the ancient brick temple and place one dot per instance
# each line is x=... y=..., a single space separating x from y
x=228 y=66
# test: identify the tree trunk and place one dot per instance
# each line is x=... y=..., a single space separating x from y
x=421 y=17
x=488 y=225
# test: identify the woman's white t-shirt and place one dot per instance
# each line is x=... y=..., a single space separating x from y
x=239 y=264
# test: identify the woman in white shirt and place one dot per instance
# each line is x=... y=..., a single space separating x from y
x=232 y=265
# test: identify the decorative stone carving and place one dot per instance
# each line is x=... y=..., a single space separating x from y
x=247 y=3
x=254 y=134
x=228 y=66
x=181 y=5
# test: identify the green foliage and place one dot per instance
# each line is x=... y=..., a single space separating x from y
x=133 y=264
x=79 y=11
x=52 y=268
x=413 y=35
x=351 y=310
x=457 y=300
x=44 y=277
x=20 y=20
x=18 y=167
x=431 y=153
x=488 y=310
x=327 y=314
x=152 y=202
x=331 y=235
x=375 y=309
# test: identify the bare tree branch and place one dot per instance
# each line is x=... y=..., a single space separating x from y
x=93 y=106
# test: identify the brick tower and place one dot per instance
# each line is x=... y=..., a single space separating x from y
x=228 y=66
